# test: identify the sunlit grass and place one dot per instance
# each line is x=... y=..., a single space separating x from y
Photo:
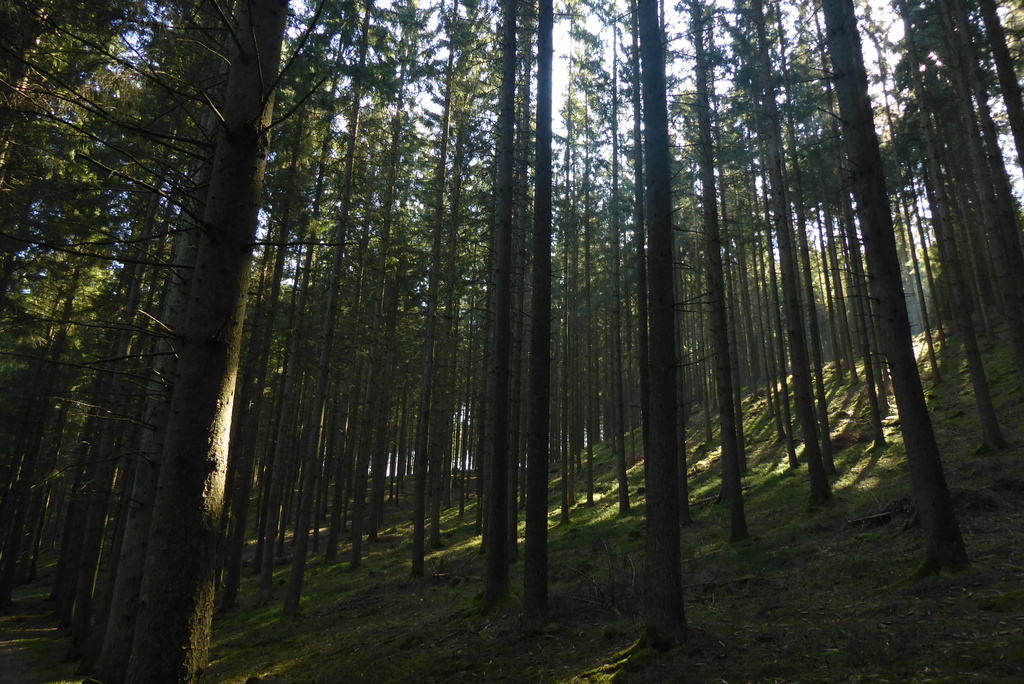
x=808 y=597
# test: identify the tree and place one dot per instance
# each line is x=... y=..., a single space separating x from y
x=780 y=217
x=173 y=630
x=665 y=619
x=945 y=546
x=700 y=26
x=495 y=538
x=617 y=418
x=535 y=572
x=935 y=189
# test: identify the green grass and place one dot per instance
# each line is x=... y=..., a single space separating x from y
x=808 y=597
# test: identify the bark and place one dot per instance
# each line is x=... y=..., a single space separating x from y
x=424 y=463
x=242 y=460
x=935 y=191
x=1005 y=234
x=115 y=652
x=274 y=474
x=913 y=219
x=945 y=547
x=795 y=330
x=535 y=566
x=779 y=358
x=36 y=418
x=496 y=540
x=66 y=576
x=728 y=429
x=640 y=235
x=617 y=422
x=172 y=635
x=377 y=364
x=314 y=425
x=664 y=619
x=803 y=253
x=1009 y=84
x=861 y=306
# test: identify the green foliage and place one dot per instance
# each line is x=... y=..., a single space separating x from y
x=811 y=595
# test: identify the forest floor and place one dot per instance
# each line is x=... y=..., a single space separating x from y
x=817 y=593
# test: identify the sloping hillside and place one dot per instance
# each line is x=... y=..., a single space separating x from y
x=816 y=593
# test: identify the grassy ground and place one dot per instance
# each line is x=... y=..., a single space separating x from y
x=810 y=596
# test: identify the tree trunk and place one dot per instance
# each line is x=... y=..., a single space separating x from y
x=731 y=485
x=665 y=619
x=316 y=416
x=424 y=462
x=795 y=331
x=1009 y=83
x=617 y=422
x=535 y=566
x=945 y=547
x=1004 y=234
x=496 y=539
x=242 y=460
x=803 y=254
x=14 y=511
x=935 y=191
x=172 y=635
x=640 y=235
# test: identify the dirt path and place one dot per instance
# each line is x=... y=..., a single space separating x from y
x=14 y=668
x=29 y=620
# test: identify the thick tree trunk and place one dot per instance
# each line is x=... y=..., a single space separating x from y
x=665 y=619
x=172 y=635
x=535 y=568
x=496 y=539
x=945 y=547
x=117 y=640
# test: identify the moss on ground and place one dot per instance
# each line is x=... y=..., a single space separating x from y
x=823 y=593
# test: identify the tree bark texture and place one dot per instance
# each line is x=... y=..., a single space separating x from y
x=496 y=537
x=535 y=570
x=945 y=547
x=665 y=620
x=172 y=636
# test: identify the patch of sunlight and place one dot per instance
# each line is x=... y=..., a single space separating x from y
x=711 y=546
x=766 y=468
x=447 y=514
x=456 y=546
x=271 y=671
x=707 y=460
x=607 y=514
x=705 y=489
x=854 y=478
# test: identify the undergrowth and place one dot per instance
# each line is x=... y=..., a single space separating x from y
x=814 y=594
